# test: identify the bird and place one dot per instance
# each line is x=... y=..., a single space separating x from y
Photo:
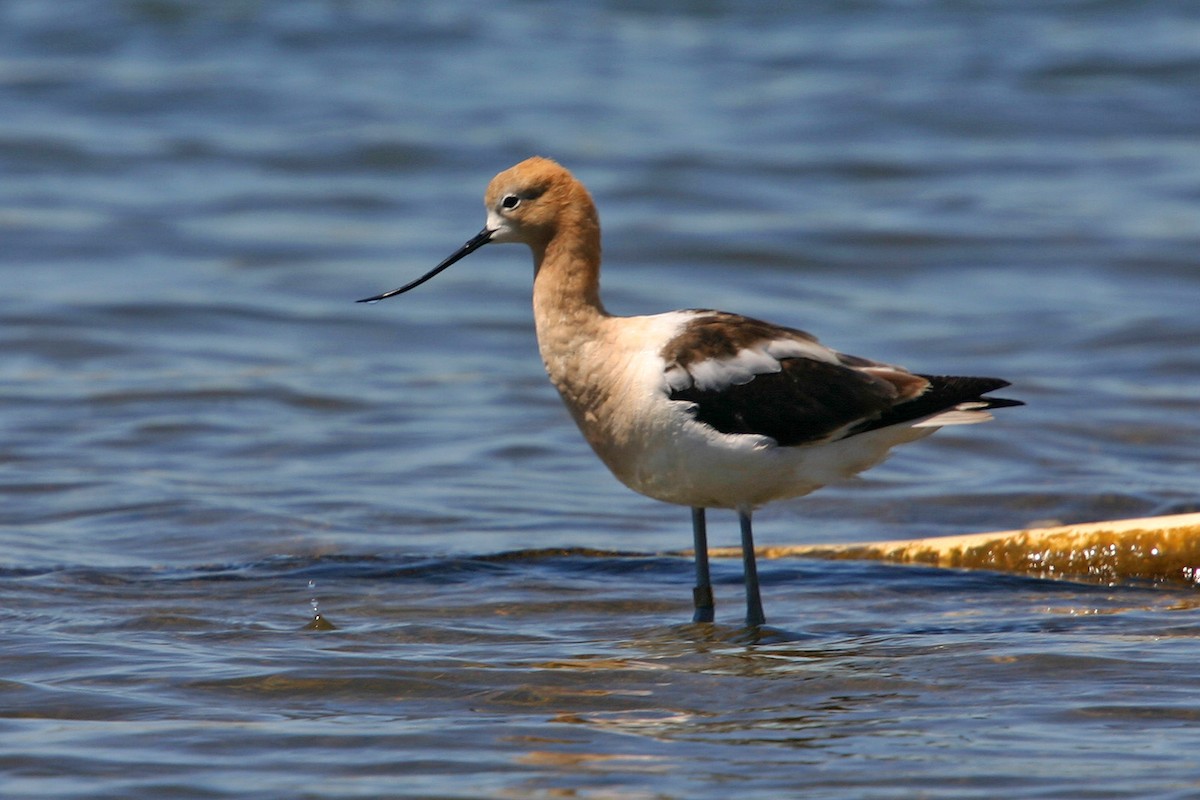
x=702 y=408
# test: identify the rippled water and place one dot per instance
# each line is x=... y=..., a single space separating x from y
x=203 y=436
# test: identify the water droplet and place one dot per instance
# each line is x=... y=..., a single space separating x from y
x=318 y=622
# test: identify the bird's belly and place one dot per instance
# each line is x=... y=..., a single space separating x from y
x=675 y=459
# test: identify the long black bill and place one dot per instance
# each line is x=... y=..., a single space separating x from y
x=478 y=241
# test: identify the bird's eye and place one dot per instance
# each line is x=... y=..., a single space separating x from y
x=510 y=201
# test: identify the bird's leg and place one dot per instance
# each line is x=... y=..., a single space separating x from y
x=702 y=595
x=754 y=608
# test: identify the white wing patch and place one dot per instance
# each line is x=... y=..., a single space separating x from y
x=715 y=374
x=796 y=348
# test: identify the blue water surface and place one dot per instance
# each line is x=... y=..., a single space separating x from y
x=202 y=435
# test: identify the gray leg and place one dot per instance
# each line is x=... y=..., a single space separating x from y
x=754 y=609
x=702 y=595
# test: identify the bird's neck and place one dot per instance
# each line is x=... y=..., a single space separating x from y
x=566 y=282
x=568 y=314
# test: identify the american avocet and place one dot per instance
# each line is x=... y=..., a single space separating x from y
x=702 y=408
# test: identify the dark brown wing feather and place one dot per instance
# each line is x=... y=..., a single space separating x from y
x=810 y=401
x=805 y=401
x=944 y=393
